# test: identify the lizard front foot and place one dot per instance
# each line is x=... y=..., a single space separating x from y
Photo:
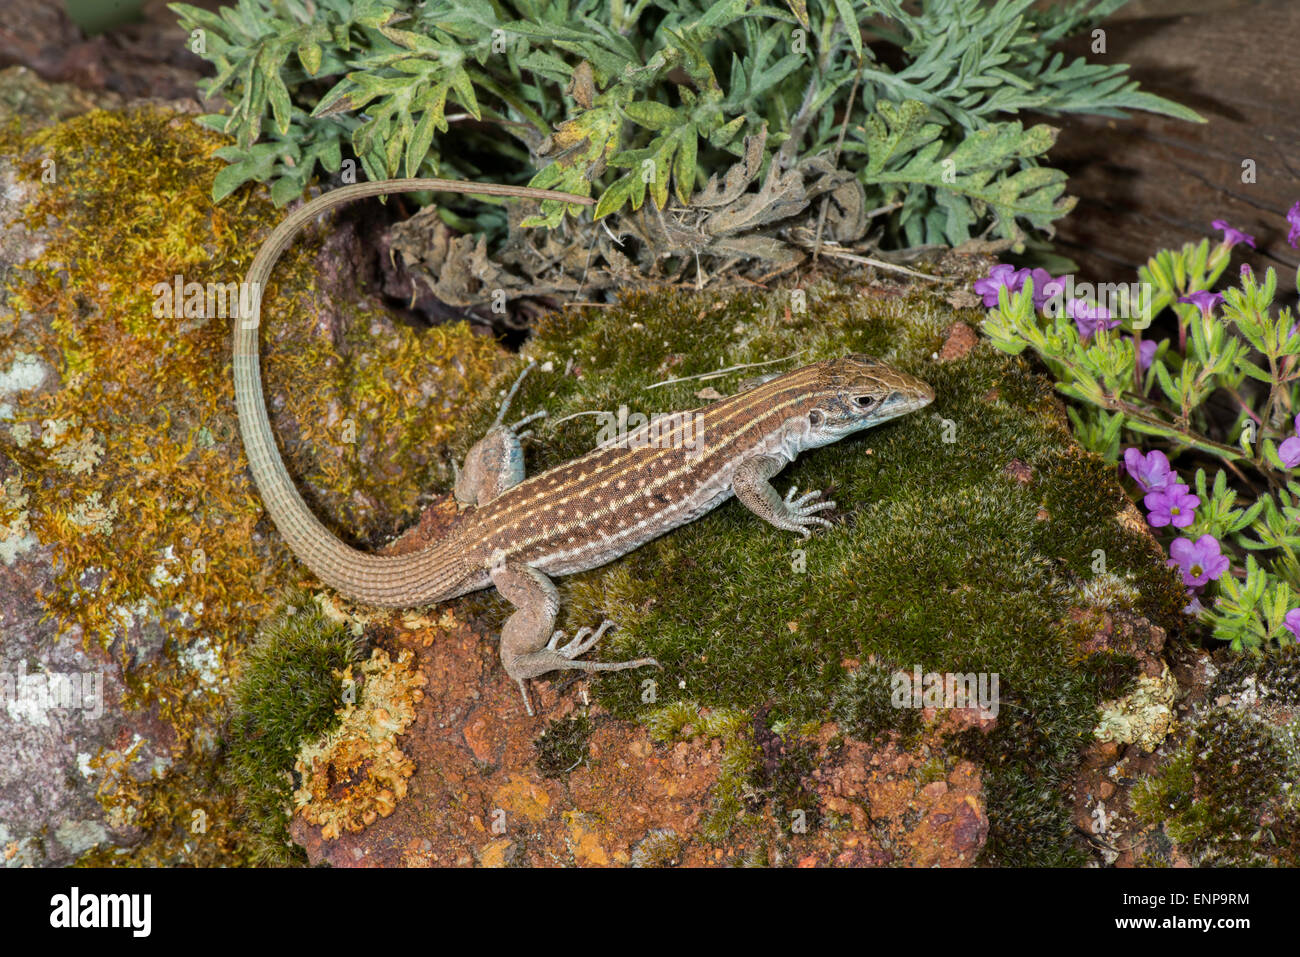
x=799 y=511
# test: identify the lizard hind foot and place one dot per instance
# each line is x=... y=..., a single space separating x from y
x=581 y=643
x=555 y=657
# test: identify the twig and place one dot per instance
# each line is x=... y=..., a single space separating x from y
x=878 y=263
x=835 y=158
x=718 y=373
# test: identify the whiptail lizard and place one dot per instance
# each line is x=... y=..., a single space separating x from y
x=516 y=533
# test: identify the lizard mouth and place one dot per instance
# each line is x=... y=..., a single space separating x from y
x=902 y=401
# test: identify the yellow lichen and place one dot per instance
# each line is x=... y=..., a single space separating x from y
x=134 y=445
x=356 y=774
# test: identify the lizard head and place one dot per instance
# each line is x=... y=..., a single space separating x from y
x=858 y=392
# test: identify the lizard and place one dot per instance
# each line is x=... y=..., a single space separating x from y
x=516 y=533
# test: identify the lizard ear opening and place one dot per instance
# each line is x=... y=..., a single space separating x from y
x=815 y=418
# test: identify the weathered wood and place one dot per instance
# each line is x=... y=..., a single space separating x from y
x=1150 y=182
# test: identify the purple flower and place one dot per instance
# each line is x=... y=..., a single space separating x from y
x=1089 y=318
x=1233 y=236
x=1146 y=352
x=1174 y=505
x=1045 y=286
x=1246 y=272
x=1289 y=452
x=1292 y=622
x=1194 y=605
x=1199 y=561
x=999 y=276
x=1205 y=299
x=1150 y=471
x=1293 y=218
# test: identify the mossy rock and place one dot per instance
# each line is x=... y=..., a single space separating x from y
x=965 y=537
x=1226 y=792
x=127 y=512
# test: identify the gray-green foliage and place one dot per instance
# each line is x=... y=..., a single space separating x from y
x=625 y=99
x=1225 y=392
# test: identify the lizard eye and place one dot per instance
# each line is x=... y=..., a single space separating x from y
x=864 y=401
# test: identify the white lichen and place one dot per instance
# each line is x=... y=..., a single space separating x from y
x=25 y=373
x=1144 y=717
x=92 y=514
x=79 y=455
x=16 y=536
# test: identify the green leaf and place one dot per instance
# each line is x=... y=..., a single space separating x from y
x=614 y=198
x=310 y=55
x=684 y=169
x=230 y=179
x=848 y=17
x=651 y=115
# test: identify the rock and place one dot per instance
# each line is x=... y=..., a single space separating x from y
x=132 y=545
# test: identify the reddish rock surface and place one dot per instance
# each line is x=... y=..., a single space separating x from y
x=478 y=797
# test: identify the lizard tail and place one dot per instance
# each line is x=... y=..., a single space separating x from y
x=391 y=581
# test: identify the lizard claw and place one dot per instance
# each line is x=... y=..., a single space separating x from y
x=799 y=511
x=578 y=646
x=539 y=414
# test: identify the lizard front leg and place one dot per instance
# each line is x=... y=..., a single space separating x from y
x=529 y=648
x=752 y=486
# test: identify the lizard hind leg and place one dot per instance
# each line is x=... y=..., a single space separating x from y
x=496 y=462
x=529 y=646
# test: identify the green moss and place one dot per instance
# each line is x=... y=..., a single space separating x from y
x=1274 y=677
x=1227 y=795
x=862 y=705
x=942 y=555
x=289 y=693
x=563 y=746
x=671 y=722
